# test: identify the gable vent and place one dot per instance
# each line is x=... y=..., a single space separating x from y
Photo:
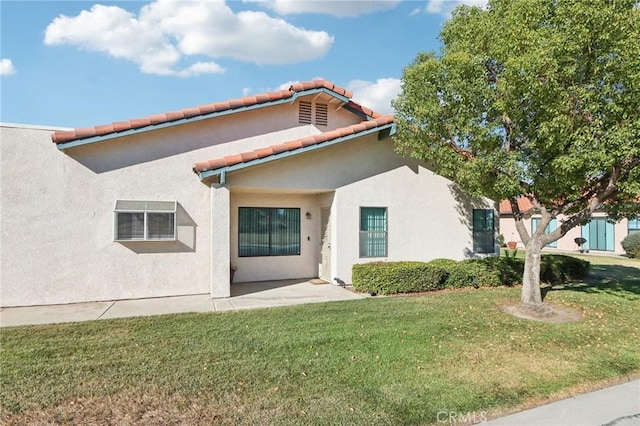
x=304 y=113
x=321 y=114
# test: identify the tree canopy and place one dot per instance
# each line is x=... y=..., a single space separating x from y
x=534 y=98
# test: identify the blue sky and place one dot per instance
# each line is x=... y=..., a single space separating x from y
x=84 y=63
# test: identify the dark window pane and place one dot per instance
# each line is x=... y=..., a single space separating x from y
x=373 y=232
x=160 y=226
x=268 y=231
x=483 y=231
x=130 y=226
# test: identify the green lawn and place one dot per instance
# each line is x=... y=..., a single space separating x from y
x=396 y=360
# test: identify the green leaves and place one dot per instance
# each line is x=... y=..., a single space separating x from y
x=531 y=96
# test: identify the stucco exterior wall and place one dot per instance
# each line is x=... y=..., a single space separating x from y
x=566 y=243
x=57 y=208
x=57 y=220
x=428 y=216
x=58 y=227
x=278 y=267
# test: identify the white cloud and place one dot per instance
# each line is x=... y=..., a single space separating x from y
x=345 y=8
x=415 y=11
x=165 y=32
x=376 y=95
x=434 y=6
x=201 y=68
x=6 y=67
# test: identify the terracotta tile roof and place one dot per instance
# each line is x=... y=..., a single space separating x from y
x=245 y=157
x=524 y=204
x=364 y=110
x=137 y=123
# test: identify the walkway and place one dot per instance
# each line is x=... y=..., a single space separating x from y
x=617 y=405
x=243 y=296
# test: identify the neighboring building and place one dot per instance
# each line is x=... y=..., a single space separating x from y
x=299 y=183
x=601 y=234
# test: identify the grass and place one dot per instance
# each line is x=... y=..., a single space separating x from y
x=397 y=360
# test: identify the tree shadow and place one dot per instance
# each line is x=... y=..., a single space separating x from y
x=616 y=280
x=465 y=204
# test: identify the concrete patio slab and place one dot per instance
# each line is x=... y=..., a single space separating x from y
x=50 y=314
x=159 y=306
x=223 y=305
x=283 y=293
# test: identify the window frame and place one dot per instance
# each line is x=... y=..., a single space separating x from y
x=636 y=228
x=604 y=230
x=146 y=211
x=480 y=248
x=362 y=233
x=270 y=248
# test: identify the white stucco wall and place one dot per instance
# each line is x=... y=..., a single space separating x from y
x=278 y=267
x=57 y=227
x=566 y=243
x=56 y=224
x=428 y=217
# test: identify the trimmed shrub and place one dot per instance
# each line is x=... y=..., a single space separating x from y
x=446 y=264
x=509 y=269
x=558 y=268
x=397 y=277
x=631 y=244
x=473 y=272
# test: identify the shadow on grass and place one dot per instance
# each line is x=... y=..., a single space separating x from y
x=621 y=281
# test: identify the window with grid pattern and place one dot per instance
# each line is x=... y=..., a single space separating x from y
x=483 y=231
x=145 y=220
x=265 y=231
x=373 y=232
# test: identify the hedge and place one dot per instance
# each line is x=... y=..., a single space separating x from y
x=397 y=277
x=510 y=269
x=558 y=268
x=631 y=244
x=473 y=272
x=412 y=277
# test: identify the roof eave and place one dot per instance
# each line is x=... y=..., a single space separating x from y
x=79 y=142
x=391 y=127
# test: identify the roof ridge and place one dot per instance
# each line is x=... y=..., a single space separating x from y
x=64 y=136
x=303 y=142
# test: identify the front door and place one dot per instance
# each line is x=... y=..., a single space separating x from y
x=599 y=234
x=325 y=238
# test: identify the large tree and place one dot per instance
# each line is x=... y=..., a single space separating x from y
x=537 y=99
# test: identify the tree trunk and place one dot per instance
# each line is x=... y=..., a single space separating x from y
x=531 y=294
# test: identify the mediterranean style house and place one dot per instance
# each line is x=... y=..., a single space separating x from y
x=600 y=233
x=298 y=183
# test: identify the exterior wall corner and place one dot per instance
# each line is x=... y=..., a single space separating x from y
x=220 y=241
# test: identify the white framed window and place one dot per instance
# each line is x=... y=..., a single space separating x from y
x=268 y=231
x=373 y=232
x=145 y=220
